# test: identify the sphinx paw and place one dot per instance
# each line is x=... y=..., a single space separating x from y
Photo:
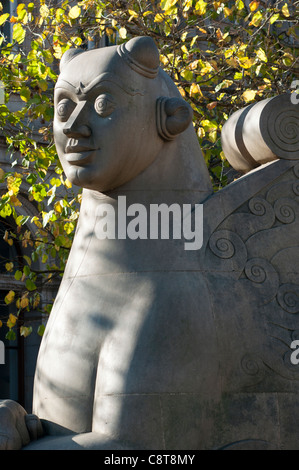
x=17 y=428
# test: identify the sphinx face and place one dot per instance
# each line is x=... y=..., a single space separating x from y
x=105 y=122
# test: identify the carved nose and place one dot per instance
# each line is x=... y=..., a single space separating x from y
x=77 y=124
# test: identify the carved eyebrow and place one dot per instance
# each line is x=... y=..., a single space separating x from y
x=105 y=77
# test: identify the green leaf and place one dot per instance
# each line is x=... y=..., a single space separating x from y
x=18 y=275
x=31 y=178
x=6 y=211
x=43 y=85
x=26 y=270
x=27 y=259
x=10 y=335
x=187 y=75
x=47 y=54
x=25 y=94
x=41 y=330
x=30 y=285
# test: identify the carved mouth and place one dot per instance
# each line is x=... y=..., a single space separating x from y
x=78 y=153
x=80 y=157
x=75 y=146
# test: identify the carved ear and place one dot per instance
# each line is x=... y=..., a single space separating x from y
x=68 y=56
x=142 y=55
x=173 y=117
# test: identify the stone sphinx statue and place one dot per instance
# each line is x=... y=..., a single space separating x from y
x=151 y=345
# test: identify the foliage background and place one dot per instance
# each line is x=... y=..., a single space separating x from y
x=222 y=55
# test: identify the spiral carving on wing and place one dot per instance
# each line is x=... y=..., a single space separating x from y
x=288 y=297
x=252 y=365
x=285 y=210
x=256 y=270
x=225 y=244
x=258 y=206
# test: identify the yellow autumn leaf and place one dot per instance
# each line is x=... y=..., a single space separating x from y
x=122 y=33
x=15 y=201
x=3 y=18
x=57 y=51
x=1 y=323
x=182 y=91
x=159 y=18
x=25 y=331
x=187 y=5
x=239 y=4
x=9 y=297
x=274 y=18
x=201 y=132
x=9 y=266
x=262 y=55
x=219 y=34
x=245 y=62
x=206 y=68
x=253 y=5
x=195 y=89
x=194 y=65
x=166 y=5
x=285 y=10
x=256 y=19
x=36 y=301
x=201 y=7
x=58 y=207
x=227 y=11
x=67 y=183
x=36 y=221
x=164 y=60
x=249 y=95
x=74 y=12
x=2 y=174
x=44 y=11
x=213 y=136
x=24 y=302
x=133 y=13
x=11 y=320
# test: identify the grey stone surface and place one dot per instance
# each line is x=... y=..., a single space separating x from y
x=150 y=346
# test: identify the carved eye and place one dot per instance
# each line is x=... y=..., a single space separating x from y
x=104 y=105
x=64 y=109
